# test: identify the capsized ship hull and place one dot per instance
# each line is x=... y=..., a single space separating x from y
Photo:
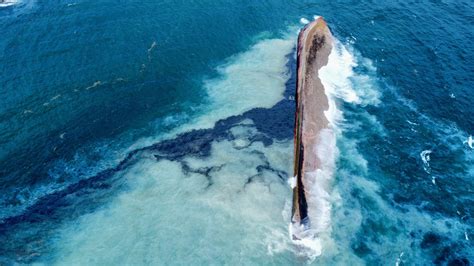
x=314 y=47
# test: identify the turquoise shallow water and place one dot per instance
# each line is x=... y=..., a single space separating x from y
x=110 y=152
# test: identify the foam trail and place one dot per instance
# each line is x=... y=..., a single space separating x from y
x=150 y=50
x=95 y=84
x=469 y=142
x=425 y=157
x=8 y=3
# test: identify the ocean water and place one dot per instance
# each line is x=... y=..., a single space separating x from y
x=161 y=132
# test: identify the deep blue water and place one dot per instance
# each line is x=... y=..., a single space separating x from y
x=91 y=90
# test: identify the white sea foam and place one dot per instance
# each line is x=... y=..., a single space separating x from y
x=292 y=182
x=55 y=97
x=340 y=80
x=150 y=50
x=8 y=3
x=304 y=21
x=335 y=76
x=425 y=157
x=469 y=142
x=399 y=259
x=95 y=84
